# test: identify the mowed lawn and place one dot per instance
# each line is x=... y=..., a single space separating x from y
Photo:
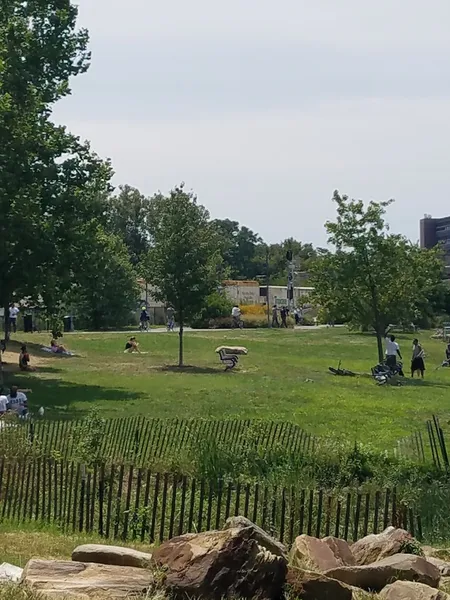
x=284 y=377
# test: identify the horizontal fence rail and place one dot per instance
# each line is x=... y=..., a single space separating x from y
x=126 y=502
x=139 y=440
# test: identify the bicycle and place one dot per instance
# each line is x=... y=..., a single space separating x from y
x=341 y=372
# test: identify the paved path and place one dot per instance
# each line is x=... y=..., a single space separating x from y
x=189 y=329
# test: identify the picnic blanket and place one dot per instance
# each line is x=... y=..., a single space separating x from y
x=236 y=350
x=49 y=349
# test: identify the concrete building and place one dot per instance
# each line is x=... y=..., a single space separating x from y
x=434 y=232
x=252 y=292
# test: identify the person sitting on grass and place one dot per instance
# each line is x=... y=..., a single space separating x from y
x=24 y=360
x=17 y=401
x=132 y=346
x=57 y=348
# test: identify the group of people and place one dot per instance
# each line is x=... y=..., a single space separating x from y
x=417 y=357
x=16 y=402
x=144 y=319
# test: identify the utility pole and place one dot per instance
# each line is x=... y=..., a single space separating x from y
x=290 y=283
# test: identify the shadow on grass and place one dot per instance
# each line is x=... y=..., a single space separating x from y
x=190 y=369
x=58 y=397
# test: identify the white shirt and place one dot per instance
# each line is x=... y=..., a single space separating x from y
x=13 y=312
x=17 y=403
x=391 y=347
x=236 y=312
x=3 y=403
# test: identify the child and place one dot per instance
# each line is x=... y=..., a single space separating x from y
x=24 y=360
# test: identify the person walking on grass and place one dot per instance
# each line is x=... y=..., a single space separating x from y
x=275 y=321
x=283 y=315
x=417 y=361
x=392 y=351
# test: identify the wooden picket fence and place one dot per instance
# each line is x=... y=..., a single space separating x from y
x=428 y=447
x=139 y=440
x=133 y=503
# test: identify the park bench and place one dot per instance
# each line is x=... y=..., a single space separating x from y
x=229 y=355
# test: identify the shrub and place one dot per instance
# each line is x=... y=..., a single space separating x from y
x=218 y=306
x=253 y=309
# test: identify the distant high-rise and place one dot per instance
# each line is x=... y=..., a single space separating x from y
x=434 y=232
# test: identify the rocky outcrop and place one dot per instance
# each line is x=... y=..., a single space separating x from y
x=377 y=546
x=341 y=550
x=111 y=555
x=407 y=590
x=311 y=554
x=307 y=585
x=374 y=577
x=442 y=565
x=221 y=564
x=58 y=578
x=258 y=534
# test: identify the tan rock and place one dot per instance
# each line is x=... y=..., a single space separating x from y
x=221 y=564
x=442 y=565
x=374 y=577
x=341 y=550
x=378 y=546
x=307 y=585
x=59 y=578
x=258 y=534
x=312 y=554
x=408 y=590
x=112 y=555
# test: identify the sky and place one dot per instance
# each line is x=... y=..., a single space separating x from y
x=263 y=108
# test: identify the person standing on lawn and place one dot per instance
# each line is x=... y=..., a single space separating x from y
x=13 y=312
x=283 y=315
x=392 y=351
x=417 y=361
x=275 y=321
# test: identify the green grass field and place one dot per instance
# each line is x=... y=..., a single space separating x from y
x=284 y=377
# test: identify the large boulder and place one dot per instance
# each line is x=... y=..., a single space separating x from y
x=112 y=555
x=374 y=577
x=60 y=578
x=311 y=554
x=408 y=590
x=307 y=585
x=341 y=550
x=221 y=564
x=258 y=534
x=377 y=546
x=442 y=565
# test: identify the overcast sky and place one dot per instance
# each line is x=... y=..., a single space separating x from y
x=264 y=107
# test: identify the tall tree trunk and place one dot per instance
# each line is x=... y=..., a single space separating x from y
x=180 y=337
x=380 y=344
x=6 y=318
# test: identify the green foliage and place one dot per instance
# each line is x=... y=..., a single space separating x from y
x=183 y=262
x=51 y=185
x=374 y=278
x=218 y=306
x=128 y=212
x=87 y=438
x=412 y=547
x=106 y=290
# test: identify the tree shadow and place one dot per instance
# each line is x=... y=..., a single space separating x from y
x=191 y=369
x=58 y=397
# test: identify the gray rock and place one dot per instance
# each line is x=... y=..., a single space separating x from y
x=10 y=573
x=258 y=534
x=311 y=586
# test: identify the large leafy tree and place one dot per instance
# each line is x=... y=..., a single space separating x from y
x=184 y=259
x=51 y=184
x=373 y=278
x=238 y=247
x=128 y=213
x=106 y=290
